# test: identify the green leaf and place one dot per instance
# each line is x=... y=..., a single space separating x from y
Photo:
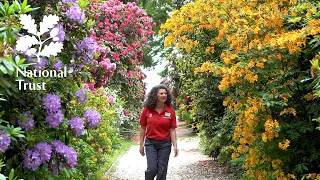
x=294 y=20
x=8 y=65
x=2 y=9
x=21 y=61
x=17 y=59
x=315 y=39
x=28 y=9
x=6 y=6
x=317 y=14
x=10 y=10
x=11 y=174
x=3 y=69
x=67 y=173
x=90 y=23
x=13 y=138
x=3 y=29
x=16 y=129
x=8 y=92
x=315 y=63
x=24 y=4
x=83 y=3
x=16 y=5
x=20 y=136
x=2 y=79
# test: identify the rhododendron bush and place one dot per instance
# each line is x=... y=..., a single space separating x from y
x=122 y=31
x=70 y=126
x=260 y=52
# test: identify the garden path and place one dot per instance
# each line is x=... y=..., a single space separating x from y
x=191 y=164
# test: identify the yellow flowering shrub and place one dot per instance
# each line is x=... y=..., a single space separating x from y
x=258 y=49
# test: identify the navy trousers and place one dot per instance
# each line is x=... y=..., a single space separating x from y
x=158 y=153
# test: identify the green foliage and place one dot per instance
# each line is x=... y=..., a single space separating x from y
x=95 y=145
x=9 y=32
x=11 y=174
x=6 y=9
x=216 y=134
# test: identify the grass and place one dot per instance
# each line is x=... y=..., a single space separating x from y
x=188 y=138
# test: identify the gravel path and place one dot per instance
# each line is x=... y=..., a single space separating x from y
x=191 y=164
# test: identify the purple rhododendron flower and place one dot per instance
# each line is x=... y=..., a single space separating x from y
x=54 y=118
x=57 y=145
x=52 y=104
x=40 y=154
x=77 y=124
x=32 y=159
x=93 y=117
x=69 y=155
x=4 y=141
x=80 y=95
x=44 y=150
x=75 y=13
x=61 y=33
x=69 y=1
x=86 y=48
x=26 y=121
x=58 y=65
x=40 y=65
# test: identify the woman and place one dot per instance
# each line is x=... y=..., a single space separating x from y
x=158 y=123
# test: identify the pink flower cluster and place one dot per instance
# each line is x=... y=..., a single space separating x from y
x=111 y=100
x=127 y=113
x=104 y=69
x=123 y=30
x=90 y=86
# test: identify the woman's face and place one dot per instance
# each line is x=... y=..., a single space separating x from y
x=161 y=95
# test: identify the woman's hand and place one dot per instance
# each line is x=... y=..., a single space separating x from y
x=173 y=136
x=142 y=136
x=141 y=150
x=176 y=151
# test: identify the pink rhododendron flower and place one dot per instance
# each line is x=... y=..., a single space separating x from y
x=126 y=113
x=111 y=100
x=125 y=29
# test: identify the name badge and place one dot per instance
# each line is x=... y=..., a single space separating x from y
x=166 y=114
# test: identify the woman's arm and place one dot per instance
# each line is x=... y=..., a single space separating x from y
x=173 y=136
x=142 y=136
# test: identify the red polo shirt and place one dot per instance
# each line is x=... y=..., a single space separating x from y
x=158 y=125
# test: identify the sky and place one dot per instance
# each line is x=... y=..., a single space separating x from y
x=153 y=78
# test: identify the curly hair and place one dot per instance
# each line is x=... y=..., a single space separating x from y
x=151 y=100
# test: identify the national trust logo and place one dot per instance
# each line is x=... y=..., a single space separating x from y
x=36 y=45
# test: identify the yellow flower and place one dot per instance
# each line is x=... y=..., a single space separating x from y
x=94 y=159
x=284 y=145
x=264 y=137
x=234 y=155
x=291 y=176
x=294 y=14
x=309 y=96
x=290 y=111
x=251 y=64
